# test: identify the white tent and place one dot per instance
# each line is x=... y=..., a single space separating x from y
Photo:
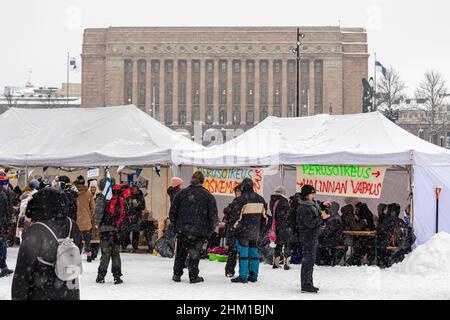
x=81 y=137
x=368 y=138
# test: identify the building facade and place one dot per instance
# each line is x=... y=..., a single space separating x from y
x=225 y=77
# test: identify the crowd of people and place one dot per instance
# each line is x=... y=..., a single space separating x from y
x=292 y=229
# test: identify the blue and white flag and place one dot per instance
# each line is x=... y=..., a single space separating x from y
x=107 y=192
x=73 y=64
x=158 y=171
x=405 y=218
x=383 y=69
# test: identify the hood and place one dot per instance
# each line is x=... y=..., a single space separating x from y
x=247 y=185
x=276 y=197
x=48 y=203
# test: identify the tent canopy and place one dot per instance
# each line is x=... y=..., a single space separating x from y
x=366 y=139
x=79 y=137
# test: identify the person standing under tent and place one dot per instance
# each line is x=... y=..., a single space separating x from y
x=85 y=214
x=95 y=234
x=251 y=209
x=229 y=219
x=330 y=236
x=279 y=206
x=177 y=186
x=194 y=216
x=131 y=226
x=308 y=221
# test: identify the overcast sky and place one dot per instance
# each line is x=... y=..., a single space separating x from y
x=412 y=36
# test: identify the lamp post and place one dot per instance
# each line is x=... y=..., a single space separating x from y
x=296 y=51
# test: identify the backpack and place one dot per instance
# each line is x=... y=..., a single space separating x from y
x=68 y=264
x=119 y=207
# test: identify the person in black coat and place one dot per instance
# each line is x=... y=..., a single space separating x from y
x=279 y=206
x=230 y=218
x=34 y=280
x=330 y=235
x=131 y=225
x=308 y=221
x=251 y=209
x=194 y=216
x=385 y=230
x=63 y=183
x=177 y=186
x=5 y=218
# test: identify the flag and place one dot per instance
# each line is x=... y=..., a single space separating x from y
x=107 y=192
x=405 y=218
x=383 y=69
x=158 y=171
x=73 y=63
x=138 y=172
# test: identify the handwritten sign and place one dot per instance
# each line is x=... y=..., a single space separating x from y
x=343 y=180
x=223 y=181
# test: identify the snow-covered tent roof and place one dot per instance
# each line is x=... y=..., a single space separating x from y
x=368 y=138
x=122 y=135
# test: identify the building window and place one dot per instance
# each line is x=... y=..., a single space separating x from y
x=263 y=114
x=264 y=93
x=209 y=93
x=277 y=66
x=318 y=66
x=182 y=117
x=236 y=116
x=263 y=66
x=196 y=94
x=250 y=95
x=318 y=93
x=168 y=99
x=305 y=94
x=223 y=94
x=291 y=94
x=421 y=134
x=250 y=66
x=236 y=66
x=209 y=116
x=291 y=111
x=250 y=117
x=182 y=93
x=196 y=66
x=305 y=66
x=223 y=66
x=209 y=66
x=142 y=66
x=236 y=94
x=222 y=116
x=128 y=82
x=169 y=66
x=155 y=66
x=183 y=66
x=141 y=94
x=277 y=112
x=168 y=117
x=196 y=111
x=291 y=66
x=277 y=94
x=155 y=101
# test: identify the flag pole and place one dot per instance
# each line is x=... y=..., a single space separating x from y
x=375 y=83
x=67 y=84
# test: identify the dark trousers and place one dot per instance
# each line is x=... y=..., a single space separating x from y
x=188 y=248
x=309 y=242
x=134 y=239
x=232 y=259
x=94 y=249
x=3 y=251
x=87 y=241
x=110 y=247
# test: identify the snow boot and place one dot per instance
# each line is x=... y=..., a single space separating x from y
x=176 y=278
x=315 y=288
x=229 y=274
x=89 y=257
x=100 y=279
x=276 y=262
x=310 y=289
x=197 y=280
x=239 y=280
x=287 y=264
x=117 y=280
x=6 y=272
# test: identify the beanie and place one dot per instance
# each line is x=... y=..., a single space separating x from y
x=176 y=182
x=4 y=179
x=307 y=190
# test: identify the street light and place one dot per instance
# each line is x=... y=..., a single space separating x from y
x=296 y=51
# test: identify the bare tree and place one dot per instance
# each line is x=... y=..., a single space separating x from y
x=389 y=90
x=433 y=91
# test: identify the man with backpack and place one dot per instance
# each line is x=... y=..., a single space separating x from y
x=108 y=217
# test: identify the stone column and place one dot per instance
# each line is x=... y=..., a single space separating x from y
x=270 y=85
x=243 y=90
x=188 y=92
x=229 y=92
x=202 y=90
x=257 y=93
x=162 y=86
x=175 y=105
x=284 y=101
x=216 y=92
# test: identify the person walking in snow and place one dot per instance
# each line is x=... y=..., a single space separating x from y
x=279 y=206
x=194 y=216
x=5 y=218
x=308 y=221
x=35 y=277
x=251 y=209
x=85 y=214
x=229 y=219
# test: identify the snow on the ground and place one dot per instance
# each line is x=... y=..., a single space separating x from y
x=425 y=274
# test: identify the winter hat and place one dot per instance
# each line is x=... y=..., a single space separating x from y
x=247 y=184
x=348 y=209
x=34 y=184
x=93 y=183
x=4 y=179
x=307 y=190
x=80 y=181
x=280 y=190
x=176 y=182
x=64 y=179
x=197 y=178
x=48 y=203
x=334 y=208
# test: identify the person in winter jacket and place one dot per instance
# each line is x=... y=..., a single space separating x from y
x=349 y=219
x=330 y=235
x=131 y=226
x=85 y=214
x=385 y=231
x=308 y=221
x=279 y=206
x=251 y=209
x=23 y=223
x=95 y=234
x=109 y=238
x=365 y=216
x=5 y=218
x=63 y=183
x=229 y=221
x=194 y=216
x=177 y=186
x=34 y=279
